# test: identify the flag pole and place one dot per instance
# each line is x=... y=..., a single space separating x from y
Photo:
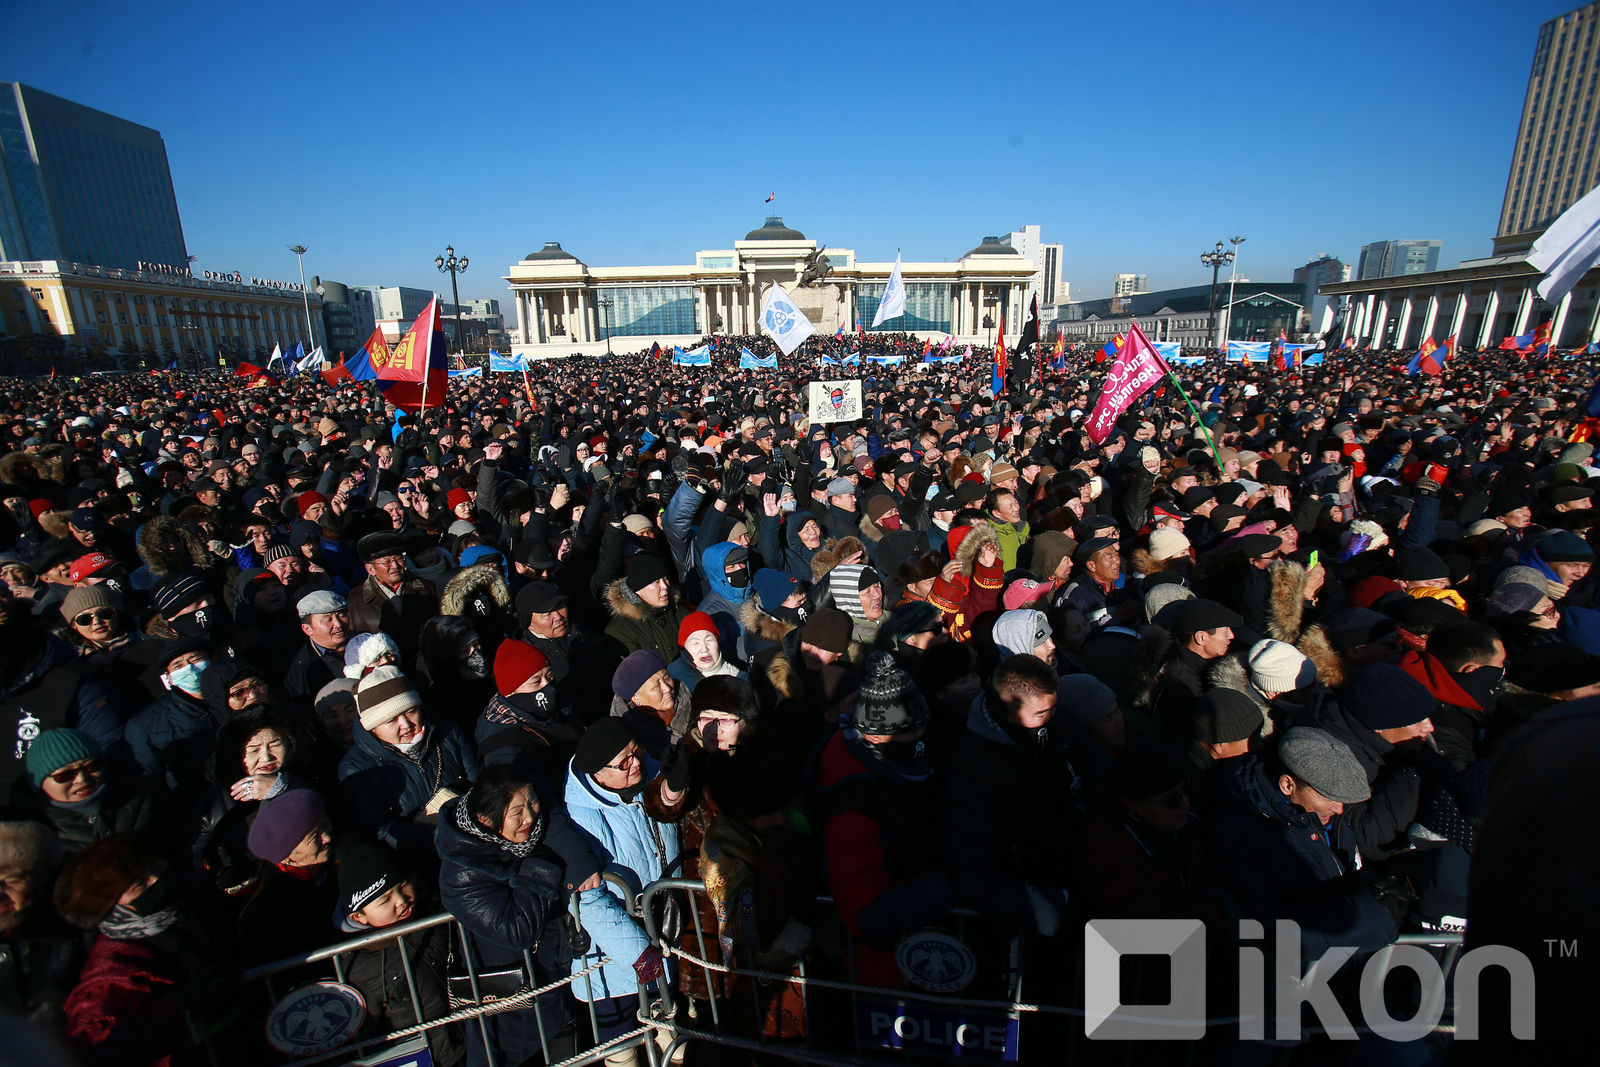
x=1215 y=455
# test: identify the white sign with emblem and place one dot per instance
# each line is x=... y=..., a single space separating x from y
x=315 y=1018
x=935 y=961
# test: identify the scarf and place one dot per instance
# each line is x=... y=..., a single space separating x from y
x=469 y=825
x=124 y=924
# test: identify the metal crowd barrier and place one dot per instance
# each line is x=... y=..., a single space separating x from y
x=270 y=981
x=665 y=1025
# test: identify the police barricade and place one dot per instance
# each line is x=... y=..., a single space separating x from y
x=314 y=1015
x=938 y=1014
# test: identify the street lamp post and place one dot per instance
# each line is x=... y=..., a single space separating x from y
x=606 y=304
x=450 y=264
x=1227 y=322
x=1215 y=259
x=305 y=297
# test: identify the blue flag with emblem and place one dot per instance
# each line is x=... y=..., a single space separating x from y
x=699 y=357
x=748 y=360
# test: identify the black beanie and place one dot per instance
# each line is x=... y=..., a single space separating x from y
x=645 y=569
x=1422 y=565
x=1383 y=697
x=601 y=744
x=367 y=870
x=1224 y=716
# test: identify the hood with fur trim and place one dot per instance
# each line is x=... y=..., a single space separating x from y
x=758 y=622
x=1140 y=561
x=171 y=546
x=833 y=553
x=1286 y=604
x=966 y=553
x=478 y=580
x=1229 y=673
x=624 y=603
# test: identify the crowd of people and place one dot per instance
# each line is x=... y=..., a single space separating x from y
x=281 y=667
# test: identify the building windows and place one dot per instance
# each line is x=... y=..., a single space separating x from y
x=122 y=317
x=927 y=306
x=38 y=294
x=639 y=311
x=100 y=317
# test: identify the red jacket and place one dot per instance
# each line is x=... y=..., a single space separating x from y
x=125 y=1010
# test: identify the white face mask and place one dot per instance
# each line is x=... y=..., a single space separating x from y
x=406 y=749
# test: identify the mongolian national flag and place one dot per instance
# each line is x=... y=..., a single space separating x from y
x=363 y=366
x=1540 y=345
x=927 y=347
x=862 y=333
x=1110 y=351
x=840 y=331
x=1511 y=344
x=1424 y=358
x=655 y=350
x=416 y=370
x=1002 y=362
x=337 y=373
x=771 y=198
x=1276 y=353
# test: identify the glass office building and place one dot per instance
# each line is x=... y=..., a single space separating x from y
x=647 y=310
x=81 y=186
x=927 y=307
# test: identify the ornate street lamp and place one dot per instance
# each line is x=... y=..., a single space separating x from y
x=606 y=303
x=450 y=264
x=305 y=299
x=1215 y=259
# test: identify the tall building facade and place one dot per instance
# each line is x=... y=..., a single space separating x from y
x=81 y=186
x=1323 y=270
x=1129 y=284
x=1554 y=162
x=1385 y=259
x=1046 y=260
x=347 y=316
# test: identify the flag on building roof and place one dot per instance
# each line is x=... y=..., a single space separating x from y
x=893 y=303
x=771 y=198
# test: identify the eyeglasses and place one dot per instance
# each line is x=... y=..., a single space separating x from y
x=404 y=490
x=88 y=769
x=627 y=761
x=90 y=617
x=244 y=689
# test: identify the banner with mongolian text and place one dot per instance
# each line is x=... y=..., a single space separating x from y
x=1138 y=367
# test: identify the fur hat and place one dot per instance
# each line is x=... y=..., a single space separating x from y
x=91 y=883
x=28 y=847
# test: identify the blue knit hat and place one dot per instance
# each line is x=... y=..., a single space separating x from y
x=638 y=668
x=773 y=587
x=54 y=749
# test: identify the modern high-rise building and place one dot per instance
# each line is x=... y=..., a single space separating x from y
x=1324 y=270
x=1046 y=260
x=1385 y=259
x=1554 y=162
x=1129 y=284
x=81 y=186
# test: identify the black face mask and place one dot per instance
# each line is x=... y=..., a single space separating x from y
x=912 y=754
x=196 y=623
x=797 y=616
x=1483 y=685
x=160 y=895
x=541 y=704
x=739 y=578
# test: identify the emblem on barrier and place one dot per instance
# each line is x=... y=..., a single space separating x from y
x=935 y=961
x=316 y=1018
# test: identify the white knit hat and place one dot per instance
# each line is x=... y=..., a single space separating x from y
x=1167 y=543
x=383 y=695
x=363 y=650
x=1278 y=667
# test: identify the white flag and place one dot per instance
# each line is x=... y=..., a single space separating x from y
x=783 y=322
x=1567 y=250
x=893 y=304
x=276 y=357
x=312 y=361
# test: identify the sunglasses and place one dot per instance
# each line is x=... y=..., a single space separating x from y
x=627 y=761
x=88 y=617
x=244 y=689
x=88 y=769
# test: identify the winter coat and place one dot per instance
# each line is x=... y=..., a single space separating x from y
x=636 y=625
x=400 y=616
x=628 y=843
x=1280 y=862
x=1132 y=870
x=40 y=957
x=761 y=630
x=125 y=1010
x=883 y=855
x=172 y=740
x=287 y=915
x=780 y=545
x=507 y=904
x=123 y=803
x=50 y=690
x=542 y=744
x=311 y=668
x=480 y=595
x=387 y=793
x=1011 y=815
x=1012 y=537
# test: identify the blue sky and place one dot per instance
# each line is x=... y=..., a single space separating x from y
x=636 y=133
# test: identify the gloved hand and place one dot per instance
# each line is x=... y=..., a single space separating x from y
x=734 y=479
x=675 y=768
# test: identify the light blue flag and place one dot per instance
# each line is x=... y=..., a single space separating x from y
x=1312 y=361
x=828 y=361
x=499 y=364
x=852 y=360
x=469 y=372
x=891 y=359
x=1167 y=350
x=1249 y=351
x=748 y=360
x=698 y=357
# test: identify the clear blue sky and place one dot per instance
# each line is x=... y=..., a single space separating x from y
x=1136 y=134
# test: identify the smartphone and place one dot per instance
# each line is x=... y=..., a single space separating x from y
x=1312 y=565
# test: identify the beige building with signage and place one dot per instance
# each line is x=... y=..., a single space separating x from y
x=565 y=307
x=161 y=311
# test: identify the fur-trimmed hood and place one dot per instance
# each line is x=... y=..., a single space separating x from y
x=480 y=579
x=967 y=552
x=1316 y=646
x=172 y=546
x=1145 y=664
x=1142 y=562
x=833 y=553
x=755 y=621
x=1285 y=604
x=625 y=604
x=869 y=529
x=1228 y=673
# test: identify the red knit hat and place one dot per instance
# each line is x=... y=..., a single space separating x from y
x=693 y=623
x=308 y=498
x=456 y=497
x=514 y=663
x=946 y=595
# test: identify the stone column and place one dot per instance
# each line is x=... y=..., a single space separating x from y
x=1524 y=312
x=1379 y=320
x=1491 y=311
x=1560 y=320
x=1459 y=317
x=1430 y=316
x=1404 y=326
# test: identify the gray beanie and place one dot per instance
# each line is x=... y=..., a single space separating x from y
x=1019 y=632
x=1162 y=594
x=888 y=702
x=1325 y=763
x=1087 y=697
